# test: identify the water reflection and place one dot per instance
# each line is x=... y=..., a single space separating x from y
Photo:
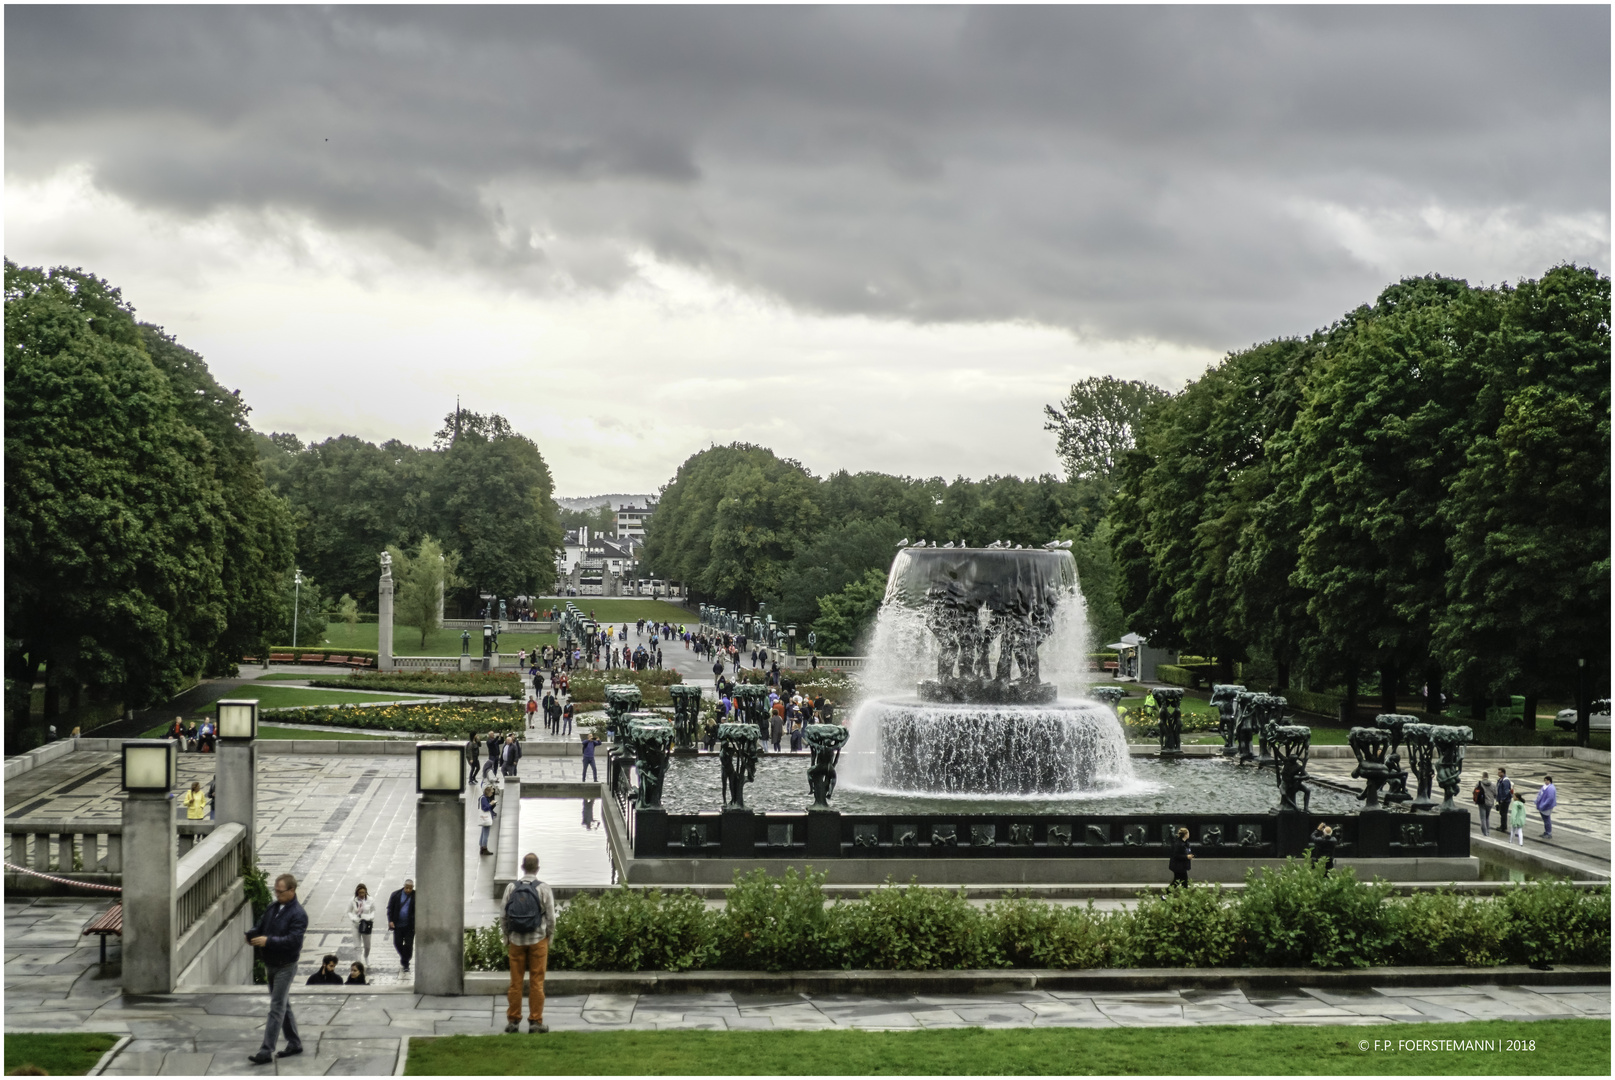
x=570 y=841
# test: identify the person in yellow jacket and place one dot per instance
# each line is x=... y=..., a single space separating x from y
x=196 y=802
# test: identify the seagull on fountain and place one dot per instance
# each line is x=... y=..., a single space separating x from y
x=903 y=543
x=948 y=544
x=919 y=543
x=1065 y=545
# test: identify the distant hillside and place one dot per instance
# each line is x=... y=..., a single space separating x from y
x=587 y=501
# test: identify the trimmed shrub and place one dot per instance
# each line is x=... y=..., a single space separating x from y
x=1552 y=922
x=1299 y=915
x=776 y=924
x=632 y=930
x=910 y=928
x=1193 y=927
x=453 y=720
x=464 y=683
x=1443 y=928
x=1035 y=934
x=485 y=949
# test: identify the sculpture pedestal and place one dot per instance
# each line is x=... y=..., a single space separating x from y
x=739 y=833
x=1373 y=834
x=650 y=832
x=1452 y=835
x=1294 y=829
x=823 y=832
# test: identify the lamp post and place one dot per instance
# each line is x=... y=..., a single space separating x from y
x=236 y=794
x=440 y=868
x=150 y=858
x=297 y=595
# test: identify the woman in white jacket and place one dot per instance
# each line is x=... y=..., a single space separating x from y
x=362 y=914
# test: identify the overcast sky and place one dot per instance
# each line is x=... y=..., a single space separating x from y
x=869 y=238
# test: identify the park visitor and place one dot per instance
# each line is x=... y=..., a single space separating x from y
x=195 y=802
x=1516 y=819
x=1182 y=853
x=566 y=719
x=495 y=742
x=1321 y=846
x=401 y=921
x=279 y=933
x=532 y=709
x=356 y=975
x=473 y=752
x=362 y=917
x=1546 y=799
x=589 y=743
x=527 y=919
x=1505 y=798
x=485 y=812
x=1485 y=794
x=327 y=975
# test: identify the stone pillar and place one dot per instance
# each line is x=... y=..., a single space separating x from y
x=150 y=862
x=236 y=798
x=440 y=883
x=384 y=623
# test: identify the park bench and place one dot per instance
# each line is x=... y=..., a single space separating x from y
x=280 y=658
x=362 y=661
x=1110 y=665
x=249 y=659
x=108 y=922
x=330 y=659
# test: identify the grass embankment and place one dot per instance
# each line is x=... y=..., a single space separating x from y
x=628 y=611
x=439 y=642
x=67 y=1054
x=1556 y=1048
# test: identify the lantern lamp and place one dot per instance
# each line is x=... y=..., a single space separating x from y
x=439 y=768
x=238 y=718
x=150 y=765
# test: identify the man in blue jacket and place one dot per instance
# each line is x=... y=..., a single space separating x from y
x=279 y=933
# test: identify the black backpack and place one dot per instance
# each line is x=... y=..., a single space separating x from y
x=524 y=911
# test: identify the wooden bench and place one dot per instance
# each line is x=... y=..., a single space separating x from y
x=280 y=658
x=362 y=661
x=329 y=659
x=249 y=659
x=109 y=922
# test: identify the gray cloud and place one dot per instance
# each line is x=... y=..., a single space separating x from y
x=1119 y=171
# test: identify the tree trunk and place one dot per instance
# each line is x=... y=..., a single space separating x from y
x=1584 y=703
x=1387 y=688
x=1348 y=708
x=1528 y=714
x=24 y=669
x=53 y=692
x=1432 y=691
x=1477 y=707
x=1284 y=675
x=1225 y=664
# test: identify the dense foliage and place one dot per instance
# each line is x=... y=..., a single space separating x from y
x=454 y=720
x=141 y=544
x=463 y=683
x=1422 y=490
x=1292 y=917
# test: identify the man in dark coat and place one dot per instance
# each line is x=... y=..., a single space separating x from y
x=1179 y=863
x=1505 y=798
x=279 y=933
x=473 y=750
x=401 y=921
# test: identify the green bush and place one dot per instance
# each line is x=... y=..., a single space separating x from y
x=1192 y=927
x=485 y=949
x=1443 y=928
x=910 y=928
x=1315 y=701
x=777 y=924
x=454 y=721
x=1556 y=923
x=590 y=686
x=462 y=683
x=1032 y=933
x=301 y=654
x=1299 y=915
x=633 y=930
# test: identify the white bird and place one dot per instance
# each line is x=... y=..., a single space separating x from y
x=1017 y=547
x=1065 y=545
x=919 y=543
x=903 y=543
x=948 y=544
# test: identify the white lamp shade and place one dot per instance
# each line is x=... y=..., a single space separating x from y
x=149 y=765
x=439 y=767
x=238 y=718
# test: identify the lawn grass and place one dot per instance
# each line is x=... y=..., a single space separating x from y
x=265 y=731
x=439 y=642
x=299 y=697
x=627 y=611
x=1561 y=1047
x=66 y=1054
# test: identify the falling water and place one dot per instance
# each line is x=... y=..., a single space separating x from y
x=1060 y=745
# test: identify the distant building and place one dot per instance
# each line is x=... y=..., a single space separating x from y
x=631 y=519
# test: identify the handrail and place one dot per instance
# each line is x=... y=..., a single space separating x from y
x=208 y=871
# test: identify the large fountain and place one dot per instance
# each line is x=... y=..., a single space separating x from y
x=976 y=664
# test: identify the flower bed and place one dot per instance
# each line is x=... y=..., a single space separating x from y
x=1292 y=917
x=464 y=683
x=450 y=720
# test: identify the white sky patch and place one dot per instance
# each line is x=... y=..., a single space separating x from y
x=327 y=334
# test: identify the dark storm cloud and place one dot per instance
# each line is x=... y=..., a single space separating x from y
x=1116 y=170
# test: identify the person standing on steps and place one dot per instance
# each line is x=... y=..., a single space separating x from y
x=527 y=920
x=362 y=915
x=1485 y=795
x=1505 y=798
x=1182 y=853
x=485 y=812
x=1546 y=799
x=495 y=742
x=279 y=933
x=473 y=751
x=589 y=743
x=401 y=921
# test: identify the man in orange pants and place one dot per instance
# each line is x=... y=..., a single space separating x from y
x=528 y=922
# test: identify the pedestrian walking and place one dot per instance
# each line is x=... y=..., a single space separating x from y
x=527 y=919
x=1485 y=794
x=362 y=917
x=485 y=816
x=1546 y=799
x=401 y=921
x=473 y=752
x=1182 y=853
x=279 y=933
x=566 y=720
x=1516 y=818
x=532 y=710
x=1505 y=798
x=195 y=802
x=589 y=743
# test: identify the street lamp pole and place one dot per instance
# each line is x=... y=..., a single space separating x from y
x=297 y=595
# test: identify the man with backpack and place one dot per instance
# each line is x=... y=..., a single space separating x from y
x=527 y=920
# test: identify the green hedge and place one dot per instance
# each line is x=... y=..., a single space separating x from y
x=320 y=654
x=590 y=686
x=451 y=720
x=1295 y=916
x=1315 y=701
x=466 y=683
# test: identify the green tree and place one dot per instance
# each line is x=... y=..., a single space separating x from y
x=422 y=581
x=1098 y=423
x=347 y=609
x=846 y=616
x=302 y=612
x=115 y=528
